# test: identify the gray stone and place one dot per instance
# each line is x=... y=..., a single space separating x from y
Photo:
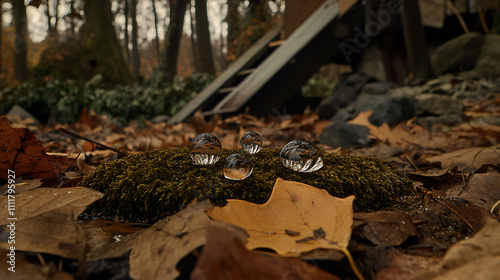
x=488 y=120
x=160 y=119
x=457 y=54
x=345 y=135
x=18 y=113
x=447 y=120
x=377 y=88
x=436 y=104
x=488 y=62
x=385 y=109
x=344 y=93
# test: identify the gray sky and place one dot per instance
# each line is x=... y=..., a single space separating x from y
x=37 y=22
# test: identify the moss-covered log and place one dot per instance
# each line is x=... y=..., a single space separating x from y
x=149 y=186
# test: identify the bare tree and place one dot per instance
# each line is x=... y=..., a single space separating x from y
x=101 y=46
x=136 y=59
x=1 y=28
x=52 y=27
x=193 y=35
x=20 y=44
x=127 y=40
x=203 y=35
x=173 y=36
x=157 y=40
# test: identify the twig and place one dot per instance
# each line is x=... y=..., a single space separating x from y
x=121 y=153
x=412 y=163
x=495 y=206
x=481 y=18
x=457 y=14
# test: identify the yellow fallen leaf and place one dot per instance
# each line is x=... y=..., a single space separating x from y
x=45 y=220
x=296 y=219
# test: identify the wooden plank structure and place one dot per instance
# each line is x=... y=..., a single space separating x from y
x=269 y=74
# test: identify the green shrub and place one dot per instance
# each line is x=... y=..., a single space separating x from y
x=318 y=88
x=65 y=100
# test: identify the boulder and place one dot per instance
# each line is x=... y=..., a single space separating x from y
x=344 y=92
x=457 y=54
x=488 y=62
x=436 y=104
x=385 y=109
x=345 y=135
x=377 y=88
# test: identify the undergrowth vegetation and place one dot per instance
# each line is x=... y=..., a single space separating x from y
x=63 y=101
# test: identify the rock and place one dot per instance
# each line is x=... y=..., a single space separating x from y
x=488 y=62
x=436 y=104
x=160 y=119
x=457 y=54
x=17 y=113
x=377 y=88
x=340 y=134
x=344 y=92
x=385 y=108
x=447 y=120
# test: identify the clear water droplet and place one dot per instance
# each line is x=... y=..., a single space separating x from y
x=251 y=142
x=237 y=167
x=301 y=156
x=205 y=149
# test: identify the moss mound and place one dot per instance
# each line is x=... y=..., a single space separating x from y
x=149 y=186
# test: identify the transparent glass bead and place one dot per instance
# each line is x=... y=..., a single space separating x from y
x=205 y=149
x=237 y=167
x=251 y=142
x=301 y=156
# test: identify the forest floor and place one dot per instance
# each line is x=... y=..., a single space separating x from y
x=450 y=228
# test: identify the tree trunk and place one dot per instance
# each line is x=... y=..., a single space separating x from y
x=194 y=45
x=233 y=28
x=20 y=44
x=416 y=44
x=102 y=49
x=126 y=12
x=72 y=18
x=203 y=34
x=157 y=38
x=1 y=29
x=173 y=37
x=136 y=59
x=52 y=27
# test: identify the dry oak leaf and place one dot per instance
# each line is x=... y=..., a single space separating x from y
x=46 y=220
x=297 y=219
x=475 y=258
x=225 y=257
x=21 y=152
x=157 y=250
x=468 y=160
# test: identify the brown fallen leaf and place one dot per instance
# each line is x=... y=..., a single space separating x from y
x=468 y=160
x=46 y=220
x=25 y=270
x=403 y=266
x=157 y=250
x=22 y=186
x=225 y=257
x=473 y=215
x=475 y=258
x=21 y=152
x=321 y=221
x=481 y=189
x=383 y=228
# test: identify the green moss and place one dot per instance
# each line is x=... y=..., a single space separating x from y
x=149 y=186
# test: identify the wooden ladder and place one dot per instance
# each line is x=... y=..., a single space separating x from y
x=271 y=71
x=223 y=85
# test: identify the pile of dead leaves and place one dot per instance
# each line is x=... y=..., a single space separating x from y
x=444 y=232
